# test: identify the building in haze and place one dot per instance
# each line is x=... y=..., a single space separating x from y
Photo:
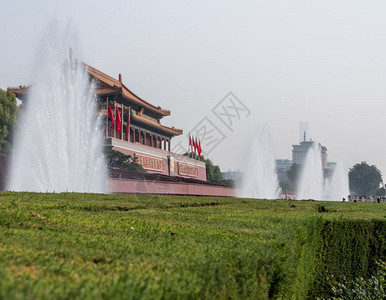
x=329 y=170
x=231 y=175
x=299 y=152
x=282 y=167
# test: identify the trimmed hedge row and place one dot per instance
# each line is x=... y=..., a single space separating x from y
x=347 y=249
x=87 y=246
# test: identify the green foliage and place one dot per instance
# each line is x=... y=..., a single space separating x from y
x=292 y=177
x=293 y=173
x=381 y=192
x=228 y=182
x=365 y=179
x=117 y=159
x=348 y=249
x=287 y=185
x=360 y=288
x=213 y=172
x=322 y=209
x=8 y=114
x=90 y=246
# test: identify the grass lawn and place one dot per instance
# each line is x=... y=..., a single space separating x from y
x=93 y=246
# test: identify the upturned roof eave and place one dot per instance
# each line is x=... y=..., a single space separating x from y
x=125 y=92
x=169 y=130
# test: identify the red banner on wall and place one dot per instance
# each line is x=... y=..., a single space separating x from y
x=150 y=163
x=187 y=170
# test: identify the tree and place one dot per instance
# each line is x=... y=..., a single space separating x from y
x=292 y=176
x=8 y=114
x=381 y=192
x=117 y=159
x=365 y=179
x=287 y=185
x=293 y=173
x=213 y=172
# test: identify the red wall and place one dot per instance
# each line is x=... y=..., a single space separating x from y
x=157 y=187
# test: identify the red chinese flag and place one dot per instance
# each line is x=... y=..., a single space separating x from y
x=199 y=149
x=118 y=126
x=195 y=145
x=110 y=114
x=190 y=143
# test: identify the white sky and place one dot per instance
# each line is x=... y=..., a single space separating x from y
x=287 y=61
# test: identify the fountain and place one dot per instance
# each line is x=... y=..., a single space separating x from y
x=310 y=184
x=260 y=177
x=337 y=187
x=58 y=144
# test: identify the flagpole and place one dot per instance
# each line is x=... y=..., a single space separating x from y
x=195 y=149
x=115 y=116
x=191 y=146
x=128 y=124
x=107 y=118
x=122 y=124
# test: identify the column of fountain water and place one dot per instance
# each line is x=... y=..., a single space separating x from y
x=58 y=144
x=310 y=182
x=259 y=179
x=338 y=185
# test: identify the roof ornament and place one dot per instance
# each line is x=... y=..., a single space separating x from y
x=120 y=77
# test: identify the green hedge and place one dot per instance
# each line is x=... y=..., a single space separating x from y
x=347 y=249
x=88 y=246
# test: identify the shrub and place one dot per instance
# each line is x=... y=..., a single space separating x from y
x=360 y=288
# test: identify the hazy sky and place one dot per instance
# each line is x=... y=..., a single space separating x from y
x=286 y=61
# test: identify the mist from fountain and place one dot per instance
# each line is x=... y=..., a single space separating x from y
x=313 y=185
x=326 y=189
x=259 y=179
x=338 y=187
x=311 y=179
x=59 y=143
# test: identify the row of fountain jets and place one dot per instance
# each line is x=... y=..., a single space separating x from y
x=260 y=178
x=59 y=143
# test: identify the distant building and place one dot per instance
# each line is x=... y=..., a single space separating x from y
x=232 y=175
x=282 y=166
x=330 y=169
x=299 y=152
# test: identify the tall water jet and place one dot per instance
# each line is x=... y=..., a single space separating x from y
x=311 y=177
x=260 y=177
x=338 y=187
x=58 y=144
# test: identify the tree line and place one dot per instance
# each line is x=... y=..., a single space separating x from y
x=8 y=116
x=364 y=179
